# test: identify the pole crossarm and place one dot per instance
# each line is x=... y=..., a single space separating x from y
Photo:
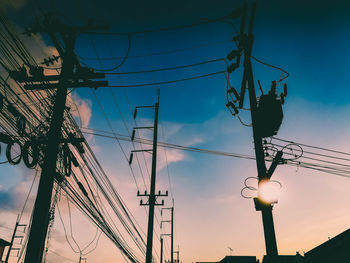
x=83 y=84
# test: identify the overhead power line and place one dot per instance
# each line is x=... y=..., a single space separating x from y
x=319 y=165
x=169 y=68
x=204 y=21
x=161 y=52
x=167 y=82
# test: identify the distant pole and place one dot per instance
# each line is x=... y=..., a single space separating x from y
x=152 y=196
x=41 y=214
x=161 y=250
x=178 y=254
x=172 y=233
x=266 y=210
x=11 y=243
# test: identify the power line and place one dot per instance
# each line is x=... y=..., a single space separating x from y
x=123 y=60
x=162 y=52
x=272 y=66
x=235 y=155
x=195 y=24
x=167 y=82
x=169 y=68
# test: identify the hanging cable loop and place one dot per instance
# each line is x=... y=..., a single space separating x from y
x=13 y=160
x=30 y=149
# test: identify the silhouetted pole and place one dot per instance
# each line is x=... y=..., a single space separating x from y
x=41 y=214
x=11 y=243
x=161 y=250
x=172 y=233
x=152 y=196
x=266 y=210
x=178 y=254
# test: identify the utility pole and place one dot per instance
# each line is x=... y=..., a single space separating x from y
x=67 y=78
x=152 y=196
x=38 y=230
x=161 y=249
x=266 y=119
x=81 y=259
x=172 y=230
x=13 y=239
x=178 y=254
x=266 y=209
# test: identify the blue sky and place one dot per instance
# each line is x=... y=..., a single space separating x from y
x=309 y=40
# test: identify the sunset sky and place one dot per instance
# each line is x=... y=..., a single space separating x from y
x=309 y=39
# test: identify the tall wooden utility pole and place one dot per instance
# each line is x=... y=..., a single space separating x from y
x=69 y=77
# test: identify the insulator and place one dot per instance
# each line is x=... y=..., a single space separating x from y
x=21 y=124
x=230 y=104
x=46 y=62
x=233 y=90
x=273 y=87
x=79 y=147
x=74 y=160
x=282 y=98
x=133 y=135
x=67 y=160
x=285 y=90
x=29 y=31
x=82 y=189
x=232 y=67
x=233 y=54
x=135 y=113
x=131 y=157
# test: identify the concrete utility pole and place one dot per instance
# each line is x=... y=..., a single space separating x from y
x=172 y=230
x=178 y=254
x=161 y=250
x=266 y=119
x=14 y=235
x=172 y=233
x=42 y=204
x=152 y=196
x=67 y=78
x=266 y=209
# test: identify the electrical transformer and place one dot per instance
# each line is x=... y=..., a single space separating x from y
x=269 y=115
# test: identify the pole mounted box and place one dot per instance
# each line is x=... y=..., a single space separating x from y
x=269 y=115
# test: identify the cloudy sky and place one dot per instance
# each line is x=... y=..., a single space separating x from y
x=309 y=40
